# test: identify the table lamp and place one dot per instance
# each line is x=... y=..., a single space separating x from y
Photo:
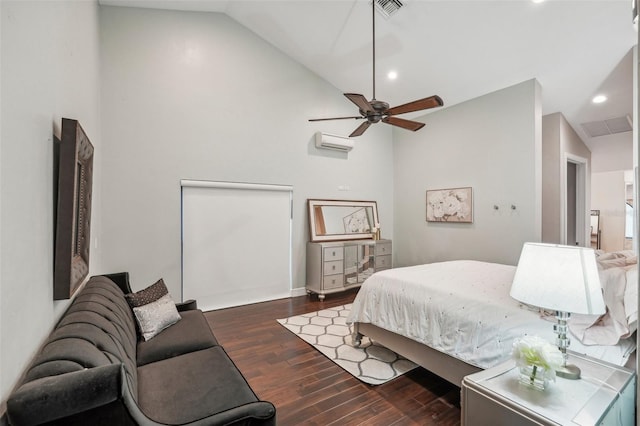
x=563 y=279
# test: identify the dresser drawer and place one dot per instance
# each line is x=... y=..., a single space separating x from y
x=383 y=262
x=333 y=281
x=333 y=253
x=383 y=249
x=335 y=267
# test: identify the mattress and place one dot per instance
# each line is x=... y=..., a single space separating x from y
x=463 y=309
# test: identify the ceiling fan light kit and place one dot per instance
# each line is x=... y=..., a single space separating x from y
x=374 y=111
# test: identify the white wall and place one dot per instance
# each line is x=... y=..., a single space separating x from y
x=559 y=140
x=551 y=166
x=197 y=96
x=49 y=70
x=614 y=153
x=608 y=196
x=491 y=143
x=611 y=159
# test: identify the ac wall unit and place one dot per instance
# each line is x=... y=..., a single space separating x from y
x=335 y=142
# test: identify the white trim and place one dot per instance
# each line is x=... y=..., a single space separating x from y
x=234 y=185
x=636 y=218
x=582 y=201
x=297 y=292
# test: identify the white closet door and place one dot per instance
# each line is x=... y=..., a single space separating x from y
x=236 y=243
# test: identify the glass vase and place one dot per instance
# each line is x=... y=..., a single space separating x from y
x=533 y=376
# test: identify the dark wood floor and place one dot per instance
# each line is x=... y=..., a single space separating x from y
x=307 y=388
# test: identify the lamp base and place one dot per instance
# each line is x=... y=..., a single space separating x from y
x=568 y=371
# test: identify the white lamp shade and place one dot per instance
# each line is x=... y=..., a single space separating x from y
x=559 y=278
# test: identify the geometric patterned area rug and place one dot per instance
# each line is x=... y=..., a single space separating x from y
x=327 y=331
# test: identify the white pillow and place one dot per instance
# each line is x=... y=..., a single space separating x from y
x=156 y=316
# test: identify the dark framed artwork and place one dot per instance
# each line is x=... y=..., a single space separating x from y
x=450 y=205
x=73 y=212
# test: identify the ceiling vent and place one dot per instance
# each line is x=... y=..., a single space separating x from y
x=388 y=7
x=608 y=127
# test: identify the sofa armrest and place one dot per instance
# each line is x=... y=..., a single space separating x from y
x=57 y=397
x=259 y=412
x=121 y=279
x=187 y=305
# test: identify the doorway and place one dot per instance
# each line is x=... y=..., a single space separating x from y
x=574 y=229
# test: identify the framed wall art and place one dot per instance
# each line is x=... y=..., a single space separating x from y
x=73 y=210
x=450 y=205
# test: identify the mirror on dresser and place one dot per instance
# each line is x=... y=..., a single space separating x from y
x=338 y=220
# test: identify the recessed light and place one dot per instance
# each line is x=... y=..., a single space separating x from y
x=392 y=75
x=599 y=99
x=537 y=1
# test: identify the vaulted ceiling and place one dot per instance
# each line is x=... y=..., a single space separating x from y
x=455 y=49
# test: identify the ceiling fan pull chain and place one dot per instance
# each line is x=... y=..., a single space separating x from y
x=373 y=20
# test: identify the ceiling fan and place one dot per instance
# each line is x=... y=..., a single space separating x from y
x=374 y=110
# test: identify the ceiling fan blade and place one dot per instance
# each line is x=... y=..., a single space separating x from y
x=359 y=117
x=405 y=124
x=360 y=101
x=426 y=103
x=360 y=130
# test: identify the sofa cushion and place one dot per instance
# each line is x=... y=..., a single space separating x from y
x=182 y=389
x=191 y=333
x=154 y=309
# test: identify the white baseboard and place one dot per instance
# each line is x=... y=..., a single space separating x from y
x=296 y=292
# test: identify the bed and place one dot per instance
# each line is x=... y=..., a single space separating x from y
x=456 y=318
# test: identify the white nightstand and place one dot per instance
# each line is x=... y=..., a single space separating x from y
x=605 y=395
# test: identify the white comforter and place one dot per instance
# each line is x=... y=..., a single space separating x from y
x=620 y=292
x=461 y=308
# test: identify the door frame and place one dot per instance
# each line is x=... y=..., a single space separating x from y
x=582 y=198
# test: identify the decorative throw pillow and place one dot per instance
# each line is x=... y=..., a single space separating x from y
x=154 y=309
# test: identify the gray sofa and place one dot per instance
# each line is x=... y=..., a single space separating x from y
x=94 y=370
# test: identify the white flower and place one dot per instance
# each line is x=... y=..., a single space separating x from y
x=533 y=350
